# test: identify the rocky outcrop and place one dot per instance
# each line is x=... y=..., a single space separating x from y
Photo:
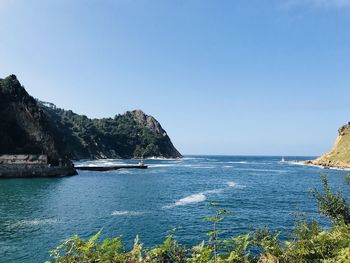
x=23 y=125
x=151 y=124
x=147 y=121
x=339 y=156
x=28 y=126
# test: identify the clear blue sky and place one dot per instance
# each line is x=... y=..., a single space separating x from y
x=222 y=76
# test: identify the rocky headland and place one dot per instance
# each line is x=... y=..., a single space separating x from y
x=339 y=156
x=30 y=126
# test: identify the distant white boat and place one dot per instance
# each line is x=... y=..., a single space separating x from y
x=282 y=160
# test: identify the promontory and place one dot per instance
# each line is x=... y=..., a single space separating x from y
x=339 y=156
x=30 y=126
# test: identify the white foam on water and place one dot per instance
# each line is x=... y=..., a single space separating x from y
x=231 y=184
x=301 y=163
x=34 y=222
x=336 y=168
x=161 y=158
x=215 y=191
x=193 y=158
x=241 y=162
x=202 y=196
x=101 y=162
x=161 y=165
x=235 y=185
x=126 y=213
x=191 y=199
x=261 y=170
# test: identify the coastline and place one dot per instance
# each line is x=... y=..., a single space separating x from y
x=43 y=171
x=321 y=165
x=328 y=164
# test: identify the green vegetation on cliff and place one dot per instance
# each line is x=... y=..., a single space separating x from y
x=30 y=126
x=339 y=156
x=133 y=134
x=310 y=243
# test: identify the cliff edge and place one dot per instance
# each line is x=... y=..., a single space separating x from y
x=339 y=156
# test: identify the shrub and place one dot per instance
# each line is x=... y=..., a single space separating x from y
x=310 y=242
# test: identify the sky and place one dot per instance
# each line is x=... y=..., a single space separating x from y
x=240 y=77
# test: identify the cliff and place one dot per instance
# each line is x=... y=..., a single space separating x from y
x=24 y=128
x=339 y=156
x=31 y=126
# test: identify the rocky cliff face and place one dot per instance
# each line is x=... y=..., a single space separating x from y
x=339 y=156
x=23 y=125
x=28 y=126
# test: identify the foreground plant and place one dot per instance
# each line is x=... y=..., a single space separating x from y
x=310 y=242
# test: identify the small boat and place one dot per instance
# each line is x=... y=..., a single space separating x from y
x=282 y=160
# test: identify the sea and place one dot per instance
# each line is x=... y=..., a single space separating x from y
x=171 y=196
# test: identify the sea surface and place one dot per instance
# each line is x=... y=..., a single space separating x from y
x=36 y=215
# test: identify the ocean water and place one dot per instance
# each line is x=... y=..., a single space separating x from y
x=36 y=215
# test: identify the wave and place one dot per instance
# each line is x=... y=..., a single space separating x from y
x=191 y=199
x=317 y=166
x=215 y=191
x=126 y=213
x=336 y=168
x=93 y=163
x=261 y=170
x=202 y=196
x=34 y=222
x=161 y=158
x=193 y=158
x=242 y=162
x=161 y=165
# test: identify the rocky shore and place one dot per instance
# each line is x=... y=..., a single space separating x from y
x=328 y=163
x=339 y=156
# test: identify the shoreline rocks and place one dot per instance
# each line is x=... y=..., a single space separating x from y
x=328 y=164
x=339 y=155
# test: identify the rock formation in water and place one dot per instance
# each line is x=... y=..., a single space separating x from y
x=339 y=156
x=29 y=126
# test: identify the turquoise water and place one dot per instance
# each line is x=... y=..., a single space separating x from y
x=37 y=214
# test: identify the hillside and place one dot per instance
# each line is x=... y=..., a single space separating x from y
x=339 y=156
x=30 y=126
